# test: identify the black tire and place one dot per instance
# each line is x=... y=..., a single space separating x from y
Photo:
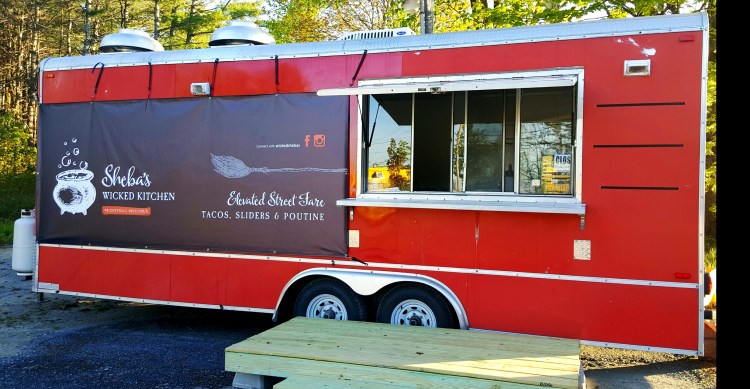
x=327 y=298
x=416 y=305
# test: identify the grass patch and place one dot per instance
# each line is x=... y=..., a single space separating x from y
x=709 y=259
x=16 y=193
x=6 y=232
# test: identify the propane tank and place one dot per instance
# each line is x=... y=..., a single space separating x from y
x=24 y=242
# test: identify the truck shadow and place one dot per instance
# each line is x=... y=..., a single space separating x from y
x=671 y=374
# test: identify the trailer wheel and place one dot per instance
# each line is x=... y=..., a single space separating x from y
x=330 y=299
x=412 y=305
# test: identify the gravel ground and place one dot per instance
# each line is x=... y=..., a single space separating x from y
x=608 y=368
x=69 y=342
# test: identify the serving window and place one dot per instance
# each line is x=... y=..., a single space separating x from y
x=503 y=142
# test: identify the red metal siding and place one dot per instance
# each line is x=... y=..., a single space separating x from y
x=660 y=167
x=198 y=280
x=644 y=234
x=436 y=237
x=416 y=236
x=505 y=243
x=258 y=284
x=378 y=239
x=103 y=272
x=583 y=310
x=166 y=277
x=245 y=78
x=231 y=78
x=117 y=83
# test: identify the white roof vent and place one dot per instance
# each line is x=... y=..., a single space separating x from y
x=127 y=40
x=240 y=33
x=386 y=33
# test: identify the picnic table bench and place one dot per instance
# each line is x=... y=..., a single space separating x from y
x=317 y=353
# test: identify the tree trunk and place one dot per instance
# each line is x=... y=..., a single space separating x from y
x=95 y=22
x=190 y=29
x=86 y=28
x=157 y=16
x=68 y=46
x=16 y=97
x=429 y=16
x=32 y=73
x=173 y=22
x=124 y=14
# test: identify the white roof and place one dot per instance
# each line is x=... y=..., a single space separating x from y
x=499 y=36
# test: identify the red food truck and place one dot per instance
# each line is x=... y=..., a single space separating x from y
x=544 y=180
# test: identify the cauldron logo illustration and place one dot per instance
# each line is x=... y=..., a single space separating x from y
x=74 y=191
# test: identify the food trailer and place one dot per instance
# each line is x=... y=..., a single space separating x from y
x=544 y=180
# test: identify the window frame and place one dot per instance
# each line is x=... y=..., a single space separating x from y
x=494 y=201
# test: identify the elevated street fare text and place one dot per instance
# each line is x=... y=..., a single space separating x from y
x=273 y=199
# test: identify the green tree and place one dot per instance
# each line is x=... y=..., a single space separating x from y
x=297 y=20
x=188 y=24
x=17 y=153
x=398 y=158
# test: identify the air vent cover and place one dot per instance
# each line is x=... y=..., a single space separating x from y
x=128 y=40
x=240 y=33
x=387 y=33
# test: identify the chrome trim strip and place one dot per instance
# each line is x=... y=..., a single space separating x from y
x=472 y=196
x=40 y=83
x=411 y=143
x=345 y=262
x=35 y=276
x=702 y=185
x=504 y=136
x=159 y=302
x=449 y=84
x=466 y=139
x=517 y=146
x=50 y=287
x=360 y=129
x=578 y=145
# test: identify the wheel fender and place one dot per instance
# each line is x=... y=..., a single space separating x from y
x=366 y=283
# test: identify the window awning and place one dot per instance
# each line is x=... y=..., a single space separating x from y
x=450 y=84
x=573 y=208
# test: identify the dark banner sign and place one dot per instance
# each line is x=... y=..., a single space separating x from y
x=256 y=174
